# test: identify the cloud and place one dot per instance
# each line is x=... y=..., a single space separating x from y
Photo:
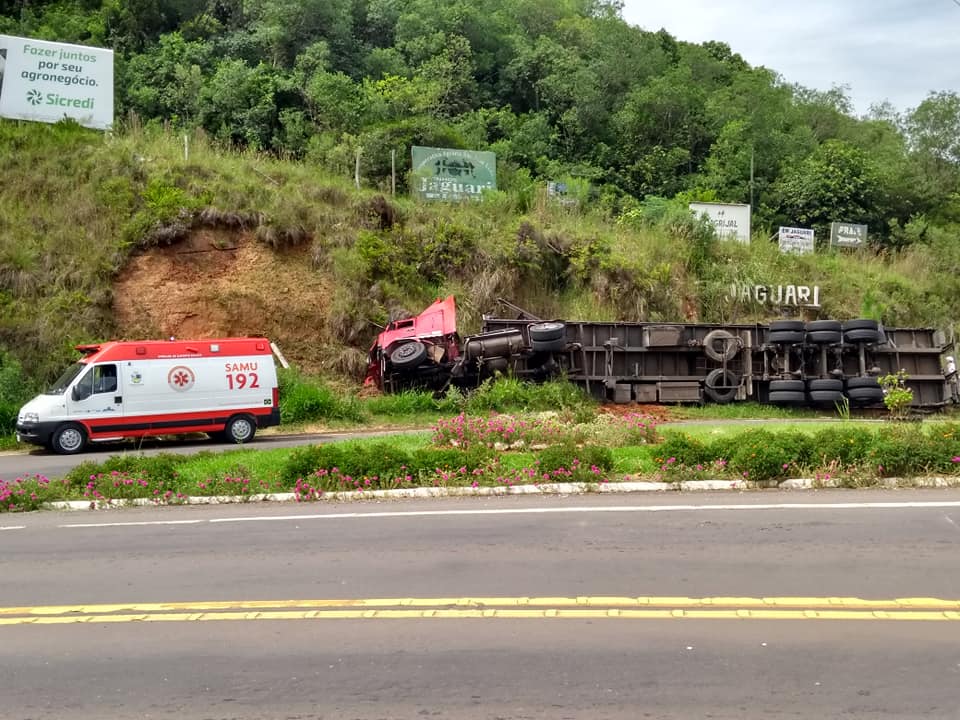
x=882 y=49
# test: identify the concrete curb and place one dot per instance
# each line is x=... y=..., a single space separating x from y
x=541 y=489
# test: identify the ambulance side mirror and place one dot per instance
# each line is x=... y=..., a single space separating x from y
x=79 y=393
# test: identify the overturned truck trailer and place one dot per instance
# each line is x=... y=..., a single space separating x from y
x=785 y=362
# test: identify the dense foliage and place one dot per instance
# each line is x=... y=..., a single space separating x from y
x=559 y=89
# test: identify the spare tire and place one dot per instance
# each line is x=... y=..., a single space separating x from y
x=721 y=345
x=408 y=355
x=721 y=385
x=548 y=346
x=545 y=331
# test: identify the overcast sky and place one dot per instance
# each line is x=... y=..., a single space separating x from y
x=896 y=50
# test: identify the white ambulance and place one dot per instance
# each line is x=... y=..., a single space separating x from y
x=224 y=387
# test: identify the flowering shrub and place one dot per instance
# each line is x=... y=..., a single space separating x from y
x=30 y=493
x=509 y=432
x=672 y=470
x=571 y=463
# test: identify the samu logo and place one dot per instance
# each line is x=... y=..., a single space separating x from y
x=34 y=97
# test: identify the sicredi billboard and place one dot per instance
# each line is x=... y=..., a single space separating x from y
x=451 y=174
x=48 y=81
x=732 y=222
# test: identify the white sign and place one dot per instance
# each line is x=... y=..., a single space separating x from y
x=48 y=81
x=779 y=295
x=732 y=222
x=848 y=234
x=796 y=240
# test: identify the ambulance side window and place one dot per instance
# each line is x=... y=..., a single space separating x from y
x=98 y=379
x=105 y=379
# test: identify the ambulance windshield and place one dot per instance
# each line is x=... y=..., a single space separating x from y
x=63 y=382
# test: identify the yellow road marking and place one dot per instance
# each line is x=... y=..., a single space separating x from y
x=515 y=613
x=365 y=605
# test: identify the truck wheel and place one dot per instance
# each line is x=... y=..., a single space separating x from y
x=548 y=346
x=721 y=386
x=545 y=331
x=825 y=384
x=823 y=326
x=787 y=397
x=240 y=429
x=68 y=439
x=786 y=326
x=863 y=382
x=825 y=397
x=408 y=355
x=861 y=335
x=787 y=386
x=785 y=337
x=865 y=395
x=823 y=337
x=721 y=345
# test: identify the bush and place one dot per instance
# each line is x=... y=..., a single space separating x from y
x=157 y=468
x=685 y=449
x=763 y=455
x=843 y=445
x=569 y=463
x=379 y=460
x=304 y=401
x=905 y=451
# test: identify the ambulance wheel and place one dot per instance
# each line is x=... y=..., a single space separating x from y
x=68 y=439
x=240 y=429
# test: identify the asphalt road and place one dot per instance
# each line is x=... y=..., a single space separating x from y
x=660 y=606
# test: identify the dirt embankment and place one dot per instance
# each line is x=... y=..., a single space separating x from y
x=220 y=283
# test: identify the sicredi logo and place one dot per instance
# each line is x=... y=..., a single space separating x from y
x=34 y=97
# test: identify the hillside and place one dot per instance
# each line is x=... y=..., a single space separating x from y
x=124 y=237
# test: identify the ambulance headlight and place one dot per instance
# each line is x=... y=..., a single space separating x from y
x=30 y=417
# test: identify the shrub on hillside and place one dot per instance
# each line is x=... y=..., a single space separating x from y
x=302 y=401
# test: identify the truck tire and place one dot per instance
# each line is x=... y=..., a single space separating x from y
x=786 y=337
x=861 y=324
x=788 y=397
x=861 y=335
x=721 y=385
x=68 y=439
x=786 y=325
x=865 y=395
x=546 y=331
x=240 y=429
x=548 y=346
x=787 y=386
x=825 y=397
x=408 y=355
x=721 y=345
x=824 y=337
x=823 y=326
x=854 y=383
x=826 y=384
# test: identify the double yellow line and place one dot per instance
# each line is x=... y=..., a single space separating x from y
x=526 y=608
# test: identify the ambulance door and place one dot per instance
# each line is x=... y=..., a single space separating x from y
x=96 y=394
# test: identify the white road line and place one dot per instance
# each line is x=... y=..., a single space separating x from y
x=537 y=511
x=12 y=527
